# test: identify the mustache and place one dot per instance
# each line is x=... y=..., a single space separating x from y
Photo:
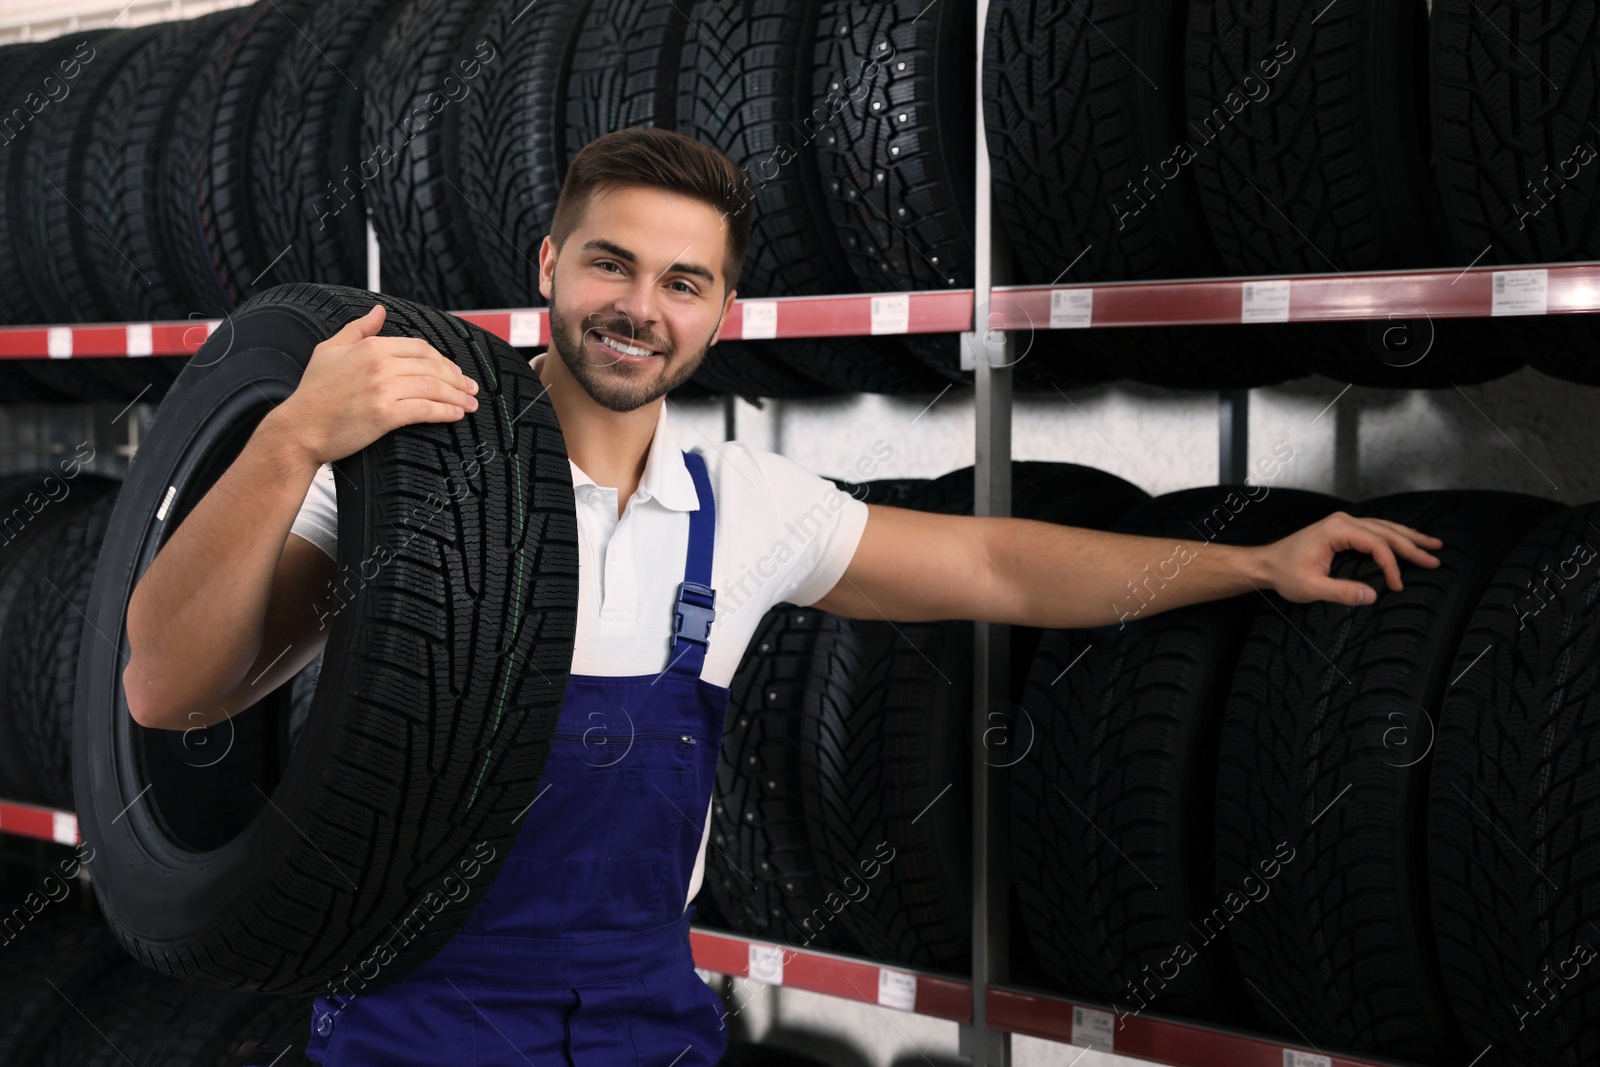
x=625 y=329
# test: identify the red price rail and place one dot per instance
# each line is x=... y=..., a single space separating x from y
x=43 y=824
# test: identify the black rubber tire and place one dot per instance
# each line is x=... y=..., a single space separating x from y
x=36 y=505
x=1074 y=111
x=1516 y=90
x=41 y=662
x=428 y=53
x=764 y=877
x=50 y=963
x=140 y=215
x=229 y=209
x=54 y=234
x=898 y=192
x=1189 y=357
x=1421 y=352
x=399 y=770
x=763 y=873
x=1317 y=759
x=305 y=159
x=1113 y=812
x=138 y=1016
x=1512 y=852
x=51 y=61
x=624 y=69
x=1561 y=346
x=744 y=81
x=186 y=162
x=513 y=137
x=1328 y=169
x=746 y=369
x=766 y=1056
x=880 y=765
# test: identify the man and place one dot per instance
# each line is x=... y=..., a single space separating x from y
x=578 y=954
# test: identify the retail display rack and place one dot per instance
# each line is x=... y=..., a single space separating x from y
x=989 y=316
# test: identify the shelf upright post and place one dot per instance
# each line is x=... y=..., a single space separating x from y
x=1233 y=436
x=987 y=352
x=374 y=260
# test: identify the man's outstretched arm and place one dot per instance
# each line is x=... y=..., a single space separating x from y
x=913 y=566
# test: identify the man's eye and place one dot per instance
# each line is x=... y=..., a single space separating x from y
x=606 y=263
x=687 y=288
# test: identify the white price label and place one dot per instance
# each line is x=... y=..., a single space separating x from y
x=212 y=324
x=766 y=964
x=59 y=343
x=64 y=827
x=897 y=990
x=891 y=314
x=1296 y=1058
x=1071 y=309
x=1093 y=1029
x=141 y=339
x=1265 y=302
x=525 y=330
x=1521 y=292
x=760 y=319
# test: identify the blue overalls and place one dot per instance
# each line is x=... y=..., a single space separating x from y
x=578 y=954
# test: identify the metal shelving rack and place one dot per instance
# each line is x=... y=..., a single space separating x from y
x=985 y=1005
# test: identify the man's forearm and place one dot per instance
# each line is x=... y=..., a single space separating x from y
x=1067 y=577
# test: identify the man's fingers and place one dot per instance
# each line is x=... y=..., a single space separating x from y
x=1376 y=546
x=1413 y=535
x=356 y=329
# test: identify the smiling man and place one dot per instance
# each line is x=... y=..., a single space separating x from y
x=578 y=954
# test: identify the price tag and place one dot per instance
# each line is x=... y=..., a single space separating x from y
x=59 y=344
x=525 y=329
x=1266 y=302
x=212 y=324
x=1521 y=292
x=1296 y=1058
x=760 y=319
x=891 y=314
x=64 y=827
x=141 y=339
x=766 y=964
x=1071 y=309
x=1093 y=1029
x=897 y=990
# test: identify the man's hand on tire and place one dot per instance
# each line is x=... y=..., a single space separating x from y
x=359 y=386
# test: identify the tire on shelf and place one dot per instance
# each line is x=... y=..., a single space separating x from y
x=513 y=136
x=1516 y=90
x=1512 y=858
x=251 y=865
x=899 y=191
x=744 y=85
x=1188 y=357
x=766 y=1056
x=763 y=873
x=27 y=86
x=1323 y=776
x=48 y=945
x=54 y=235
x=1309 y=134
x=34 y=507
x=186 y=163
x=41 y=661
x=411 y=133
x=226 y=200
x=1074 y=117
x=879 y=772
x=1422 y=353
x=1112 y=812
x=305 y=162
x=138 y=1016
x=138 y=262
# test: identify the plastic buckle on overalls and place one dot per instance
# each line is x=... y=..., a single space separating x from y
x=691 y=619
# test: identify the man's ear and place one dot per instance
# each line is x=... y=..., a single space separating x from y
x=547 y=265
x=727 y=306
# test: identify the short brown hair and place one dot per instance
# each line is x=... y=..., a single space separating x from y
x=661 y=159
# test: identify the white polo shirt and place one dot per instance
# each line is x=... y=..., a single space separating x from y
x=783 y=534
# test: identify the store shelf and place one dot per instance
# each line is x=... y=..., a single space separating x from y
x=900 y=988
x=1553 y=289
x=42 y=824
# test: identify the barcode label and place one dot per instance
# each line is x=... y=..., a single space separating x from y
x=1071 y=309
x=1521 y=292
x=766 y=964
x=1296 y=1058
x=891 y=313
x=897 y=990
x=525 y=331
x=1266 y=302
x=1093 y=1029
x=760 y=319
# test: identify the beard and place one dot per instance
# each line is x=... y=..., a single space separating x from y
x=618 y=385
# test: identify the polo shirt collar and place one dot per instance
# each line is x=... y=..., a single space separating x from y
x=665 y=477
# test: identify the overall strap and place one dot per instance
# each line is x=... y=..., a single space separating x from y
x=692 y=613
